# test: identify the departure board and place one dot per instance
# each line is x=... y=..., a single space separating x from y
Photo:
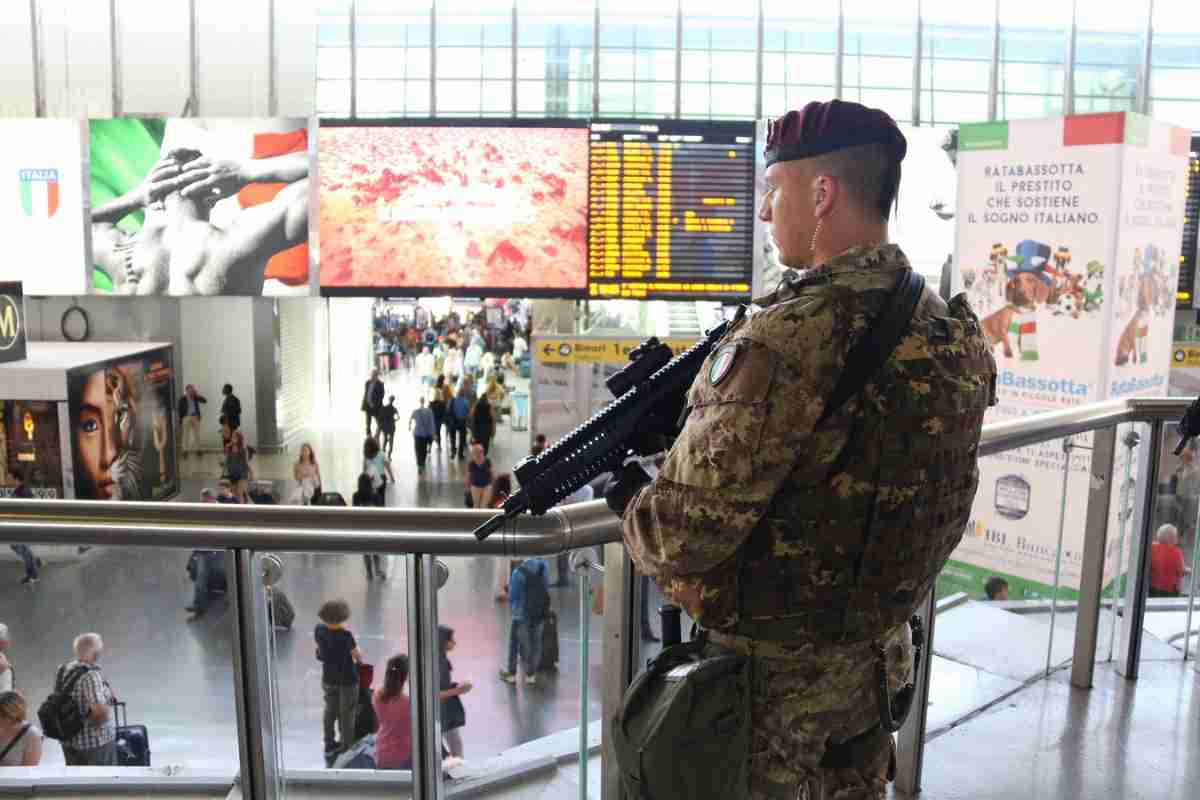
x=671 y=210
x=1186 y=295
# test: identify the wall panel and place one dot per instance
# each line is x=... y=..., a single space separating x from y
x=155 y=65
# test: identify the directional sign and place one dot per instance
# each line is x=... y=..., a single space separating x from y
x=582 y=349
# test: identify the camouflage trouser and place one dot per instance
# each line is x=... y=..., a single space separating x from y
x=809 y=696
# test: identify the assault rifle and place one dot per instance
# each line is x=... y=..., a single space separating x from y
x=650 y=392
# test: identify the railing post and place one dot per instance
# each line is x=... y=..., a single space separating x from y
x=423 y=677
x=1095 y=545
x=253 y=676
x=1138 y=584
x=621 y=650
x=910 y=747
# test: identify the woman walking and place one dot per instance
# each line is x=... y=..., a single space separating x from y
x=483 y=424
x=237 y=465
x=307 y=473
x=376 y=465
x=437 y=404
x=479 y=477
x=366 y=497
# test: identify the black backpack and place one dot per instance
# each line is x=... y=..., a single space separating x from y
x=59 y=713
x=537 y=596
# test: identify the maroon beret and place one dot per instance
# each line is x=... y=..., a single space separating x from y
x=821 y=128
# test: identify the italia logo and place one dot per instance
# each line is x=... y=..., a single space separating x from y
x=39 y=192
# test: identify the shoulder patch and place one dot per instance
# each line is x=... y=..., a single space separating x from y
x=722 y=363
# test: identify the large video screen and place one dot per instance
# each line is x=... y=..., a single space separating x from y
x=186 y=207
x=123 y=435
x=672 y=210
x=453 y=210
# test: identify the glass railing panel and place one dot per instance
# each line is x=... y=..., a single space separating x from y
x=1173 y=552
x=124 y=610
x=350 y=620
x=1010 y=577
x=522 y=668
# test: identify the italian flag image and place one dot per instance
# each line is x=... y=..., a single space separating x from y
x=39 y=192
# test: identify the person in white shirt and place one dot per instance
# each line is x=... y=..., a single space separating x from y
x=452 y=368
x=520 y=347
x=425 y=364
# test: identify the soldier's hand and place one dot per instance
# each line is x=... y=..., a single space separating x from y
x=629 y=479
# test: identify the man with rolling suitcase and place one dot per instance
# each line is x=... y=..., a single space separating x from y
x=79 y=712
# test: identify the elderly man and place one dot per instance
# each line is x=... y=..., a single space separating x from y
x=95 y=745
x=1167 y=566
x=6 y=670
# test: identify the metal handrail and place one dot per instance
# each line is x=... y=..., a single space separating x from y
x=1000 y=436
x=209 y=526
x=432 y=531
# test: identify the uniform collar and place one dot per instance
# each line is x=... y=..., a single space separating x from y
x=856 y=259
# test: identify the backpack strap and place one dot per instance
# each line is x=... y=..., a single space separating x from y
x=875 y=346
x=24 y=730
x=73 y=679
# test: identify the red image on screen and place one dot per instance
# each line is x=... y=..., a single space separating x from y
x=453 y=208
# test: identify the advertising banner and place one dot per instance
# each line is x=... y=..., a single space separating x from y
x=1068 y=244
x=32 y=448
x=43 y=206
x=187 y=207
x=123 y=434
x=1153 y=192
x=1037 y=225
x=1013 y=529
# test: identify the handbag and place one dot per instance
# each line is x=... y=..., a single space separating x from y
x=366 y=675
x=454 y=715
x=467 y=499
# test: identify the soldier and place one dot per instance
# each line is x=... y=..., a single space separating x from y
x=802 y=541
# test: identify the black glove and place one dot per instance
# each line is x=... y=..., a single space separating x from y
x=627 y=481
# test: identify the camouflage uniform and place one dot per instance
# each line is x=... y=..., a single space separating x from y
x=808 y=546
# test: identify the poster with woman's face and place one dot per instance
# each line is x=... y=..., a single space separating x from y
x=122 y=429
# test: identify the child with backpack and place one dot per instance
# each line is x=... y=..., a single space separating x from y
x=529 y=602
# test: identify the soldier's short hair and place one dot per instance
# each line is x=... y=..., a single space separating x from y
x=866 y=173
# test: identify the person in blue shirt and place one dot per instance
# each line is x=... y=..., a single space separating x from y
x=423 y=428
x=528 y=601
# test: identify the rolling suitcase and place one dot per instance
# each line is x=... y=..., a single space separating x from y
x=133 y=741
x=328 y=499
x=549 y=643
x=262 y=493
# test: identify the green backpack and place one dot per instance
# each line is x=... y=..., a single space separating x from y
x=683 y=729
